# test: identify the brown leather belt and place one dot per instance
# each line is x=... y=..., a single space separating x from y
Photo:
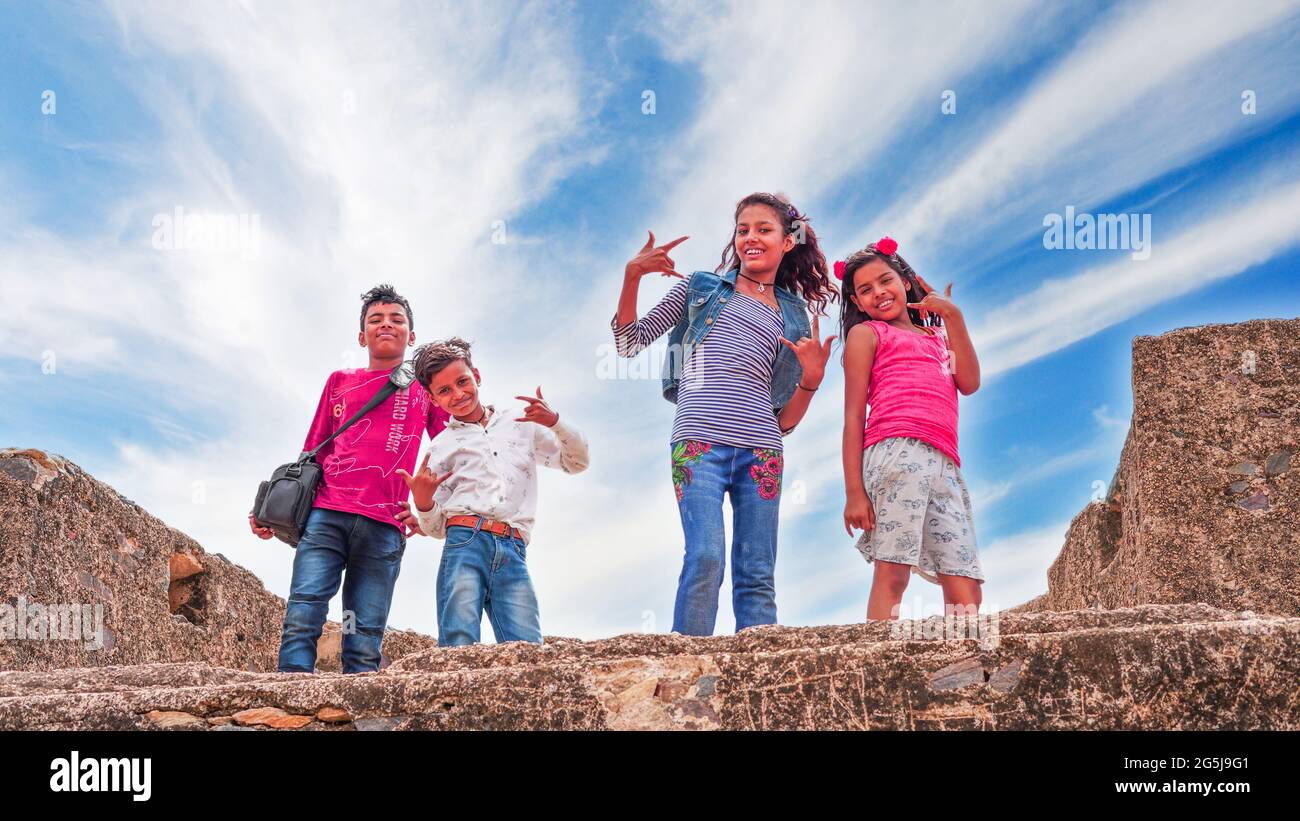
x=490 y=525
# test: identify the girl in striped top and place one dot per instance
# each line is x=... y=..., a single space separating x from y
x=740 y=384
x=902 y=473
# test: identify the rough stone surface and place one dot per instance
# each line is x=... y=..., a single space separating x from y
x=66 y=538
x=1150 y=667
x=1205 y=504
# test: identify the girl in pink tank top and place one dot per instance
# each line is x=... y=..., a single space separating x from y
x=907 y=354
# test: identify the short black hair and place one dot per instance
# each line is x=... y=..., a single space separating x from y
x=385 y=294
x=432 y=357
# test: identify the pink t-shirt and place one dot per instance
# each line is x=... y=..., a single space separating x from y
x=360 y=466
x=912 y=391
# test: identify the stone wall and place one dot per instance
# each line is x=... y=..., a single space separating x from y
x=67 y=538
x=1205 y=503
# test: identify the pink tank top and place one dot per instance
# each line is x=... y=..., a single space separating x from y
x=912 y=391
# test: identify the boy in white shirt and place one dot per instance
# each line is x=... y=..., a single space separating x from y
x=477 y=488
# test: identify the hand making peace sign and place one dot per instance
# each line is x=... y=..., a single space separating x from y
x=651 y=259
x=812 y=354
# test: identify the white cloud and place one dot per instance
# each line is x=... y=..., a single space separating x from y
x=1016 y=566
x=984 y=497
x=1106 y=419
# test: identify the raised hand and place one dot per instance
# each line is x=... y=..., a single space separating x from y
x=651 y=259
x=812 y=354
x=538 y=411
x=423 y=483
x=934 y=303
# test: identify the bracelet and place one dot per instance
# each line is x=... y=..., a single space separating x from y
x=810 y=390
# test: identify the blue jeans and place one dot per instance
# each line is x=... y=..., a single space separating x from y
x=371 y=552
x=482 y=571
x=702 y=474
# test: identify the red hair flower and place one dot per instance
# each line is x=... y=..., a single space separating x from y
x=839 y=269
x=887 y=246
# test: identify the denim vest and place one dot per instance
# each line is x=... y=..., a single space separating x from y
x=706 y=296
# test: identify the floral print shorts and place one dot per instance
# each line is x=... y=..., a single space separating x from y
x=923 y=513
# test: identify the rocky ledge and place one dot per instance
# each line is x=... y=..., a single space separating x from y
x=1140 y=668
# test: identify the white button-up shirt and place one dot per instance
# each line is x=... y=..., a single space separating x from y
x=494 y=469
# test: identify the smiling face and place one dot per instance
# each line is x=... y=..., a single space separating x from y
x=386 y=331
x=455 y=390
x=879 y=292
x=761 y=240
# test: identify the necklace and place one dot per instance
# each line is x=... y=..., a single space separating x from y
x=762 y=286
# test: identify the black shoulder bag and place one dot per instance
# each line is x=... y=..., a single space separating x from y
x=284 y=502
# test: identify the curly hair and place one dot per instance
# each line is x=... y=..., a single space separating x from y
x=850 y=315
x=432 y=357
x=802 y=270
x=385 y=294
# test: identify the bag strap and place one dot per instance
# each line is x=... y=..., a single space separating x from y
x=383 y=393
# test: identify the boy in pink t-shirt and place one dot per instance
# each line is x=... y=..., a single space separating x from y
x=355 y=533
x=360 y=466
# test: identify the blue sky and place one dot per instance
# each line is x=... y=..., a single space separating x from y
x=388 y=143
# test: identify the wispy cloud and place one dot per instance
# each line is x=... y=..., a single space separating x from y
x=1107 y=419
x=1016 y=565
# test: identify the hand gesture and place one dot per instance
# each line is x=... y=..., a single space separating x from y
x=258 y=531
x=859 y=513
x=423 y=483
x=538 y=411
x=933 y=303
x=812 y=354
x=651 y=259
x=409 y=520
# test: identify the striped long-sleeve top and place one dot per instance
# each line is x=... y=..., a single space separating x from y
x=725 y=392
